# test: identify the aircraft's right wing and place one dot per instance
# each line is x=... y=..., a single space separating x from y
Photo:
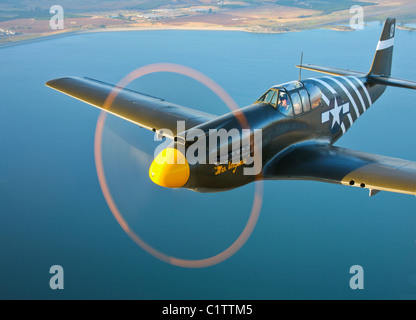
x=327 y=163
x=149 y=112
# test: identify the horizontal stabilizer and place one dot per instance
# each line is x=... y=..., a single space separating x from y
x=331 y=71
x=388 y=81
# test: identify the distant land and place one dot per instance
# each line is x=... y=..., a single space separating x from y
x=28 y=19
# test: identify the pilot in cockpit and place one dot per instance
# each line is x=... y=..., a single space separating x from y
x=283 y=101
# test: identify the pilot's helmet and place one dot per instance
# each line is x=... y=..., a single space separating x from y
x=283 y=96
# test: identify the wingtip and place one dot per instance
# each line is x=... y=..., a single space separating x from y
x=55 y=82
x=51 y=83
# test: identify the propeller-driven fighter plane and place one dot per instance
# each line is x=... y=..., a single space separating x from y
x=299 y=121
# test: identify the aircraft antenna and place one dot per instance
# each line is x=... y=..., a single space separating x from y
x=300 y=68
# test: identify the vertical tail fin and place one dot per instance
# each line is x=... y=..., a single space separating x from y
x=384 y=55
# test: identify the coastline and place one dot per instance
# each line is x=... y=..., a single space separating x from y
x=263 y=30
x=45 y=37
x=38 y=38
x=123 y=29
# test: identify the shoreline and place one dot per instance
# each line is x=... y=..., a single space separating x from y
x=328 y=26
x=102 y=30
x=37 y=39
x=162 y=28
x=124 y=29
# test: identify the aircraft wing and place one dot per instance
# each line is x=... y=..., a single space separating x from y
x=347 y=167
x=146 y=111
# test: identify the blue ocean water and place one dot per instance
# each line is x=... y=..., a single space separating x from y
x=308 y=235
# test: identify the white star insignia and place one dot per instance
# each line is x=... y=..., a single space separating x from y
x=336 y=114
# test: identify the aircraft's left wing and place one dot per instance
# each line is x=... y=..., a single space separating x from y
x=149 y=112
x=347 y=167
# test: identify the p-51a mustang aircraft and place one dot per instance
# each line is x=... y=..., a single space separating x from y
x=300 y=121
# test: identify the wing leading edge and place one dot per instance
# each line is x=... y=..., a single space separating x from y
x=347 y=167
x=149 y=112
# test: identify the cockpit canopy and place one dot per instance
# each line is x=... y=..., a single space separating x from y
x=293 y=98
